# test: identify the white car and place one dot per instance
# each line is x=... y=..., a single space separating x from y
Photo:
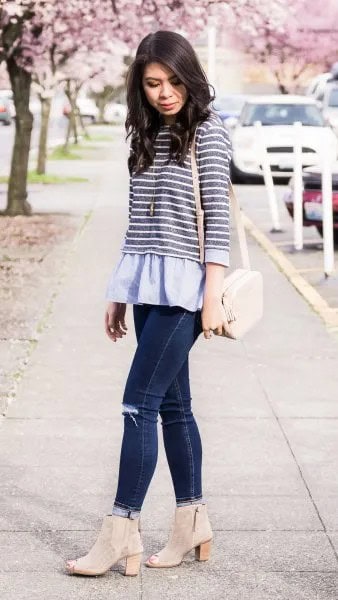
x=277 y=115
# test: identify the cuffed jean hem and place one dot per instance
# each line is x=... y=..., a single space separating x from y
x=125 y=512
x=189 y=502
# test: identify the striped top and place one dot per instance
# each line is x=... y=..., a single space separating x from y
x=172 y=230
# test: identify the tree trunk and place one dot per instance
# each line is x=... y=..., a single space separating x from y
x=101 y=103
x=74 y=121
x=72 y=125
x=68 y=134
x=46 y=104
x=17 y=203
x=281 y=86
x=82 y=125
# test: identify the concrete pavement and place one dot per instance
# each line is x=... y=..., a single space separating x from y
x=268 y=413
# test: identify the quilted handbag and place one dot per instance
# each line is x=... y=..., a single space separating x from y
x=242 y=292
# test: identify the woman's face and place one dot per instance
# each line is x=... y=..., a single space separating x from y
x=164 y=91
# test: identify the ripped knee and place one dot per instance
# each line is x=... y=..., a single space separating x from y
x=128 y=409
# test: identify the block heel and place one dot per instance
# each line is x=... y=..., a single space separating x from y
x=202 y=552
x=133 y=564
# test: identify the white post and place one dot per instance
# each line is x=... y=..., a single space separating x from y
x=297 y=187
x=212 y=51
x=327 y=212
x=268 y=180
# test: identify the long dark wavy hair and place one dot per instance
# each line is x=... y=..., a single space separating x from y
x=143 y=120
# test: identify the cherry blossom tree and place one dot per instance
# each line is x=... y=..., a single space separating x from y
x=77 y=30
x=105 y=90
x=37 y=38
x=290 y=37
x=91 y=70
x=109 y=80
x=19 y=35
x=134 y=18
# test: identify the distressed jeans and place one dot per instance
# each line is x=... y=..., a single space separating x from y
x=158 y=383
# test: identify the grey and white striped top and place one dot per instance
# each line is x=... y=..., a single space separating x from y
x=172 y=230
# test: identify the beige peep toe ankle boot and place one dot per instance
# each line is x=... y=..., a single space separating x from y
x=191 y=529
x=119 y=538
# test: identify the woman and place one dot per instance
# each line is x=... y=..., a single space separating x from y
x=175 y=296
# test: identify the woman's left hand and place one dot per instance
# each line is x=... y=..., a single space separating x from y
x=212 y=317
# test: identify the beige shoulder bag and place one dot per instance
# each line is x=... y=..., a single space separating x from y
x=242 y=293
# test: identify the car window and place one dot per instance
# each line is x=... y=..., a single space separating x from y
x=282 y=114
x=333 y=97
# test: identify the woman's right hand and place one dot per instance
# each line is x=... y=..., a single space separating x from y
x=115 y=324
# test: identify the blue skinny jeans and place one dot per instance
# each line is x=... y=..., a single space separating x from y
x=158 y=382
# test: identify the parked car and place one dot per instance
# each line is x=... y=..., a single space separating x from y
x=229 y=108
x=6 y=107
x=312 y=199
x=278 y=115
x=115 y=112
x=87 y=107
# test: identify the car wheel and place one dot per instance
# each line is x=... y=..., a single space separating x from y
x=335 y=233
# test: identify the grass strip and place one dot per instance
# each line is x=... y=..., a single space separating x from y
x=47 y=178
x=72 y=153
x=59 y=153
x=99 y=137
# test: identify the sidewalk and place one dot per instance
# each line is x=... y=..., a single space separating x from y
x=268 y=414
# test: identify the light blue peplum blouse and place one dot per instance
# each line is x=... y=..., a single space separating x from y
x=151 y=278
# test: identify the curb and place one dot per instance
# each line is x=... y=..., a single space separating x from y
x=307 y=291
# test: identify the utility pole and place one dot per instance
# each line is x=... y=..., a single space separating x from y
x=212 y=51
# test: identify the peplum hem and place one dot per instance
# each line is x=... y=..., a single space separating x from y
x=151 y=278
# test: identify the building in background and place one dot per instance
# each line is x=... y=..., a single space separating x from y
x=235 y=73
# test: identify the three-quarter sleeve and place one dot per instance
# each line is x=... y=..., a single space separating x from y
x=213 y=153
